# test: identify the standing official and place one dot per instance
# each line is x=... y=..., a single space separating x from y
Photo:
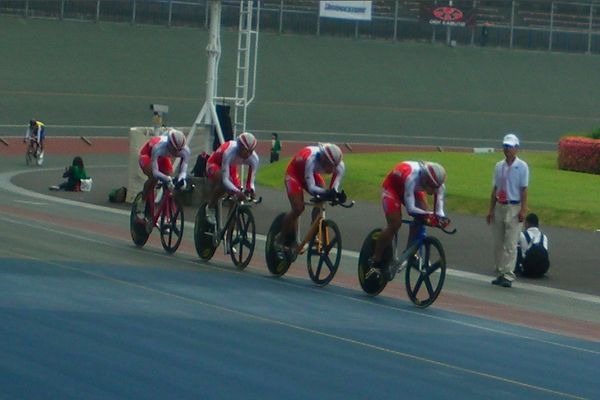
x=508 y=206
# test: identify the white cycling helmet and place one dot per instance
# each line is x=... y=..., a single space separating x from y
x=176 y=139
x=247 y=141
x=434 y=173
x=332 y=152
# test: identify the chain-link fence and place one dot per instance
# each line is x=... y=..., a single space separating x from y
x=527 y=24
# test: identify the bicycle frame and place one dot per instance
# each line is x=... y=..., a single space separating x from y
x=163 y=203
x=222 y=229
x=399 y=261
x=314 y=230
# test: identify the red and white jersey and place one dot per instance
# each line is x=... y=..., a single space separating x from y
x=305 y=164
x=157 y=147
x=404 y=180
x=226 y=156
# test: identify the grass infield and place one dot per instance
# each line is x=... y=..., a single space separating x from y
x=560 y=198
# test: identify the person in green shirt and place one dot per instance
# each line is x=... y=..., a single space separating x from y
x=275 y=147
x=74 y=174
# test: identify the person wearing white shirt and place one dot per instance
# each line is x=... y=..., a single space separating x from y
x=508 y=205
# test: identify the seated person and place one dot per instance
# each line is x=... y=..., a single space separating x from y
x=304 y=173
x=155 y=162
x=36 y=130
x=222 y=172
x=532 y=250
x=408 y=185
x=74 y=174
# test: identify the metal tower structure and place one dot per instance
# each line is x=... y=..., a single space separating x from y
x=245 y=84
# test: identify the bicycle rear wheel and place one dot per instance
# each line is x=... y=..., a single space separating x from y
x=203 y=235
x=137 y=227
x=324 y=253
x=425 y=273
x=376 y=282
x=171 y=225
x=242 y=238
x=276 y=265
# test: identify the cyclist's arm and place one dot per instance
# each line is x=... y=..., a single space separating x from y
x=154 y=162
x=337 y=177
x=309 y=177
x=228 y=157
x=439 y=201
x=409 y=199
x=252 y=163
x=27 y=134
x=183 y=166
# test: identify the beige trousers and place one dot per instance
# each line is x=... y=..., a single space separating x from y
x=506 y=228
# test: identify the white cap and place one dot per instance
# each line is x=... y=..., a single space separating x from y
x=511 y=140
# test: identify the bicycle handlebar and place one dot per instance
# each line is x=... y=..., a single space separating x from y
x=415 y=221
x=316 y=200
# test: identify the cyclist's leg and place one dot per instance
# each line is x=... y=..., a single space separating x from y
x=416 y=229
x=392 y=208
x=289 y=226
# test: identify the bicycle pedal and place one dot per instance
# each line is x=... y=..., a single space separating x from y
x=372 y=272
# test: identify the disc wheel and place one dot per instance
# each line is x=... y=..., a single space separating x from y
x=203 y=235
x=242 y=238
x=139 y=232
x=276 y=265
x=324 y=253
x=171 y=225
x=425 y=273
x=376 y=282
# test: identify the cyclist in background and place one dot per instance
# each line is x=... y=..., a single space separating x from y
x=408 y=184
x=222 y=172
x=36 y=131
x=304 y=174
x=155 y=161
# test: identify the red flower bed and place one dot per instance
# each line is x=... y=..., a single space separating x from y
x=576 y=153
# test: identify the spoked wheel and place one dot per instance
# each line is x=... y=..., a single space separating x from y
x=139 y=232
x=376 y=282
x=324 y=253
x=203 y=235
x=425 y=273
x=171 y=226
x=242 y=238
x=28 y=157
x=277 y=265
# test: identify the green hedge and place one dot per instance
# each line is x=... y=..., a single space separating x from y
x=576 y=153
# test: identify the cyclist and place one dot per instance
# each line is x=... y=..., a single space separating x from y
x=304 y=173
x=222 y=172
x=155 y=161
x=408 y=184
x=36 y=131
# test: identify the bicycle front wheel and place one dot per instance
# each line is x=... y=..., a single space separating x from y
x=425 y=272
x=276 y=265
x=137 y=227
x=324 y=253
x=203 y=235
x=376 y=282
x=171 y=225
x=242 y=238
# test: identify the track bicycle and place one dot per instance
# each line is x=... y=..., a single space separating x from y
x=424 y=260
x=322 y=244
x=163 y=211
x=238 y=231
x=33 y=153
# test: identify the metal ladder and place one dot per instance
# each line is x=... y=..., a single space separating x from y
x=245 y=80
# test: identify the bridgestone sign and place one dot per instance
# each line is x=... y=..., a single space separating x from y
x=355 y=10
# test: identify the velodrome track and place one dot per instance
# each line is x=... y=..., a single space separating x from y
x=86 y=314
